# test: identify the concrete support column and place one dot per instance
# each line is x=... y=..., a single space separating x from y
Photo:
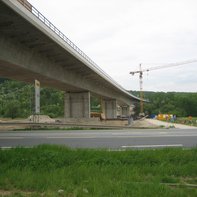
x=109 y=108
x=77 y=105
x=125 y=111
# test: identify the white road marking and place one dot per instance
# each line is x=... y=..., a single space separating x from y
x=6 y=147
x=123 y=136
x=163 y=132
x=77 y=137
x=95 y=136
x=12 y=147
x=11 y=138
x=153 y=146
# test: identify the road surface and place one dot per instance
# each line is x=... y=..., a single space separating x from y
x=112 y=139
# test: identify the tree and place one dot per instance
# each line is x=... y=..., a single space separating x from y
x=12 y=109
x=179 y=103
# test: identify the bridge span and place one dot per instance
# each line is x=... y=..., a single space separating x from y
x=31 y=47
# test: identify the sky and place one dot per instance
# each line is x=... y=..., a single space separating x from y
x=118 y=35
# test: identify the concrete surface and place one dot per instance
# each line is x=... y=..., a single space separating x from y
x=112 y=139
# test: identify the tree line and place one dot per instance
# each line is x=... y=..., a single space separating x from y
x=17 y=100
x=181 y=104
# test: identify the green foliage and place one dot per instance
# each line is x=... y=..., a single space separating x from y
x=82 y=172
x=95 y=104
x=52 y=102
x=179 y=103
x=12 y=109
x=17 y=100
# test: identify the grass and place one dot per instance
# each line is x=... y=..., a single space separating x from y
x=59 y=171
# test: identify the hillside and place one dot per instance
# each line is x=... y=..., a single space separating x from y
x=179 y=103
x=17 y=100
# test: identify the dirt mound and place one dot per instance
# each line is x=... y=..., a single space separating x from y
x=143 y=123
x=41 y=119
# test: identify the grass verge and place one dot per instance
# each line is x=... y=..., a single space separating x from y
x=59 y=171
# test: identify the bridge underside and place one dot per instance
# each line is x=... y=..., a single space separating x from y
x=10 y=71
x=29 y=50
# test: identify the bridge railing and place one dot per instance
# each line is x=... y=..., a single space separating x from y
x=43 y=19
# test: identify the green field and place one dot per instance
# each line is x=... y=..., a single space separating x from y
x=58 y=171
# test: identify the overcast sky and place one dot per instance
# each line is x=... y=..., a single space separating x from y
x=120 y=34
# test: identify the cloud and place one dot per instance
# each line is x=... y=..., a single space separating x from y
x=120 y=34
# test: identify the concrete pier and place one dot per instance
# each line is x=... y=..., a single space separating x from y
x=109 y=108
x=124 y=111
x=77 y=105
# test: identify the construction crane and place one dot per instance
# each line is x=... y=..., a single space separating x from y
x=141 y=71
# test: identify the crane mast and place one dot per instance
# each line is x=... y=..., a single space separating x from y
x=141 y=92
x=141 y=71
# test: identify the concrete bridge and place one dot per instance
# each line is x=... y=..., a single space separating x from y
x=31 y=47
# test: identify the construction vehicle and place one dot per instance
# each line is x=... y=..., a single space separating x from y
x=141 y=71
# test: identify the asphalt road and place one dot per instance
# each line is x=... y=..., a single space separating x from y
x=112 y=139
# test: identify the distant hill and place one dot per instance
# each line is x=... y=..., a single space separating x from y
x=179 y=103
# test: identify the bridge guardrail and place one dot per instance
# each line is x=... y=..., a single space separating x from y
x=50 y=25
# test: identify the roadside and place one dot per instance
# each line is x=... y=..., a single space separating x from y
x=49 y=123
x=169 y=124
